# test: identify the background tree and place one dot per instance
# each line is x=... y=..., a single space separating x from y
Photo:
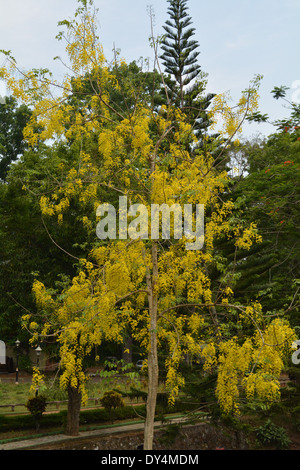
x=30 y=246
x=268 y=192
x=13 y=119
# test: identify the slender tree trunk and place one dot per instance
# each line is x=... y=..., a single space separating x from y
x=74 y=404
x=152 y=355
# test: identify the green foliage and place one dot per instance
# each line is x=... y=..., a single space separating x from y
x=272 y=435
x=55 y=393
x=199 y=386
x=267 y=192
x=112 y=400
x=271 y=268
x=37 y=405
x=13 y=119
x=169 y=434
x=28 y=422
x=137 y=394
x=29 y=246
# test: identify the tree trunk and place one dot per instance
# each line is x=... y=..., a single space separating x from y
x=152 y=391
x=74 y=404
x=152 y=355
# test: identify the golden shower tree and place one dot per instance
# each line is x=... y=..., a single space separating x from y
x=150 y=275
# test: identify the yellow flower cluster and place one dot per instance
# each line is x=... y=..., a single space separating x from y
x=231 y=118
x=253 y=366
x=37 y=381
x=248 y=237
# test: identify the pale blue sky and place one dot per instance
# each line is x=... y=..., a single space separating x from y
x=238 y=39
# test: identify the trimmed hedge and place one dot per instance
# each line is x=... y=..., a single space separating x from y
x=25 y=422
x=100 y=415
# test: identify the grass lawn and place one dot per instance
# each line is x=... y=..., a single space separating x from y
x=12 y=394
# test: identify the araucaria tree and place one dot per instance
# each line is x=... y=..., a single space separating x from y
x=185 y=80
x=153 y=280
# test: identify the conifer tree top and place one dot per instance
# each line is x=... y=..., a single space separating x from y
x=180 y=50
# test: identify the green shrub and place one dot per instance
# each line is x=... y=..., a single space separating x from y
x=112 y=400
x=37 y=405
x=169 y=434
x=271 y=434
